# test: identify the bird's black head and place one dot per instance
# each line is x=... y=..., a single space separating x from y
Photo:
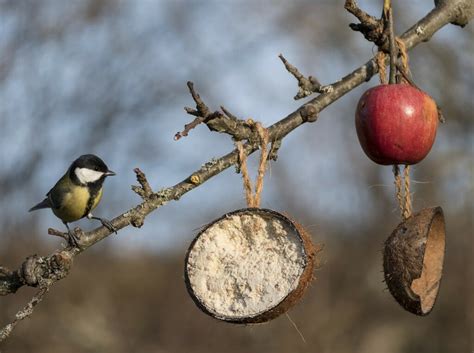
x=88 y=169
x=90 y=161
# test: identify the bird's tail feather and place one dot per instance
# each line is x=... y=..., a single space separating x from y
x=42 y=204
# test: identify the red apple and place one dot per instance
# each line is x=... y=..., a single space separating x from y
x=396 y=124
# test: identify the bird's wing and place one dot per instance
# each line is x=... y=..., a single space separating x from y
x=43 y=204
x=56 y=195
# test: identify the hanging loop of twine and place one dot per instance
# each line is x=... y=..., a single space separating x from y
x=402 y=186
x=380 y=58
x=402 y=50
x=402 y=183
x=253 y=198
x=403 y=55
x=407 y=209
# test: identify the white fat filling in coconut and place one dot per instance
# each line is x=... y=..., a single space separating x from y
x=245 y=264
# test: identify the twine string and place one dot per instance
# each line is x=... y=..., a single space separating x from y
x=381 y=56
x=398 y=50
x=263 y=134
x=254 y=198
x=402 y=187
x=381 y=65
x=398 y=187
x=245 y=173
x=403 y=54
x=407 y=209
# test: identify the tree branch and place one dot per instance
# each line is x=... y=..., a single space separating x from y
x=42 y=272
x=371 y=27
x=307 y=86
x=224 y=122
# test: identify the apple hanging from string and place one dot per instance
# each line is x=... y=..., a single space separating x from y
x=396 y=124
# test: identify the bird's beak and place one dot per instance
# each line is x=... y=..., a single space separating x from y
x=109 y=173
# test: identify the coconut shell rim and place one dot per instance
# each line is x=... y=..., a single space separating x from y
x=413 y=305
x=294 y=296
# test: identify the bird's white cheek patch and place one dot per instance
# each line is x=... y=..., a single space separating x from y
x=86 y=175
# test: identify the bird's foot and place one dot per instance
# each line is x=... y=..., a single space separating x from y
x=73 y=239
x=107 y=224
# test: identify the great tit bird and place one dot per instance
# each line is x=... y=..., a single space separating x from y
x=78 y=192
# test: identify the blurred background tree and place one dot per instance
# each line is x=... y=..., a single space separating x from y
x=108 y=77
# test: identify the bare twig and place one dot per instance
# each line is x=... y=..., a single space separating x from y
x=57 y=233
x=362 y=16
x=371 y=27
x=216 y=121
x=275 y=146
x=229 y=114
x=144 y=190
x=24 y=313
x=201 y=112
x=307 y=86
x=38 y=271
x=190 y=126
x=198 y=120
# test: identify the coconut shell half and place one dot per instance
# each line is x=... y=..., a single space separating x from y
x=413 y=260
x=249 y=266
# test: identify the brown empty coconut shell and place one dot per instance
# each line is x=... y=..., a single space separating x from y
x=249 y=266
x=413 y=260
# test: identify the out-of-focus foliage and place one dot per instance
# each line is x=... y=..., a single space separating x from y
x=108 y=77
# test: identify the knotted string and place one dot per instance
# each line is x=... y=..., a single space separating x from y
x=402 y=53
x=253 y=198
x=402 y=50
x=380 y=58
x=402 y=186
x=407 y=206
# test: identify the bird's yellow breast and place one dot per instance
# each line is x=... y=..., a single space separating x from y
x=75 y=203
